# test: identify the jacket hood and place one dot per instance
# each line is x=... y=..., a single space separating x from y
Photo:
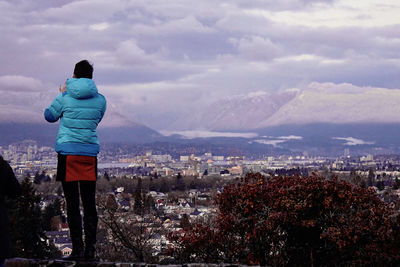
x=81 y=88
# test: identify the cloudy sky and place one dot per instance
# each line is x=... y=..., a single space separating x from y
x=157 y=61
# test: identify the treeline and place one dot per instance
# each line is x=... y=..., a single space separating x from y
x=159 y=184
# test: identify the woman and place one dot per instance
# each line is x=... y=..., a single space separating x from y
x=80 y=108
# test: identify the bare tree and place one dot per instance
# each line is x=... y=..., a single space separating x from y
x=126 y=236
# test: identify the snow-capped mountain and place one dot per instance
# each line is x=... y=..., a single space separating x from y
x=315 y=103
x=235 y=112
x=338 y=103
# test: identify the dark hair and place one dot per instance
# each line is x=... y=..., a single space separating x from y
x=83 y=69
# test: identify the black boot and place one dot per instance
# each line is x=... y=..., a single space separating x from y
x=90 y=228
x=90 y=253
x=75 y=230
x=77 y=253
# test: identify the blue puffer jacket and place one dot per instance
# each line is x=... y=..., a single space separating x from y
x=80 y=109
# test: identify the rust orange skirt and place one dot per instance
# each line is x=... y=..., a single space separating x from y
x=76 y=168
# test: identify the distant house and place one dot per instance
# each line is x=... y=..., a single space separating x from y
x=64 y=227
x=195 y=213
x=190 y=172
x=204 y=197
x=58 y=238
x=62 y=241
x=159 y=203
x=53 y=235
x=66 y=250
x=125 y=205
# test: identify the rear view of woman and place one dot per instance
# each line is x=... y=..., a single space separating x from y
x=80 y=108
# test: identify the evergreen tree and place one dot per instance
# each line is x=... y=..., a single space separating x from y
x=353 y=174
x=396 y=184
x=192 y=185
x=29 y=240
x=52 y=210
x=354 y=177
x=59 y=191
x=148 y=204
x=36 y=179
x=164 y=188
x=111 y=203
x=380 y=185
x=138 y=206
x=152 y=187
x=363 y=184
x=39 y=178
x=179 y=183
x=185 y=223
x=44 y=177
x=106 y=176
x=371 y=177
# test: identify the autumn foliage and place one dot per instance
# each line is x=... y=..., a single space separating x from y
x=294 y=221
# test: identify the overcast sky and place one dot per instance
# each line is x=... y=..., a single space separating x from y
x=156 y=60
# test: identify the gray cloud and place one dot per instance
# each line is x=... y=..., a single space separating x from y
x=351 y=141
x=19 y=83
x=283 y=4
x=157 y=60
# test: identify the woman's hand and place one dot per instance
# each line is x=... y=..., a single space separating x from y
x=63 y=88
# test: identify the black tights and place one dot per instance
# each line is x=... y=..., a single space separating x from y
x=87 y=192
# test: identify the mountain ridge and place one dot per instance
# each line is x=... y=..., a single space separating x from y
x=46 y=133
x=315 y=103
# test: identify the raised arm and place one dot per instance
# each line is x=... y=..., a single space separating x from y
x=54 y=111
x=103 y=110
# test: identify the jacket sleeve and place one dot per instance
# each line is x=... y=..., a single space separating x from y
x=103 y=109
x=54 y=111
